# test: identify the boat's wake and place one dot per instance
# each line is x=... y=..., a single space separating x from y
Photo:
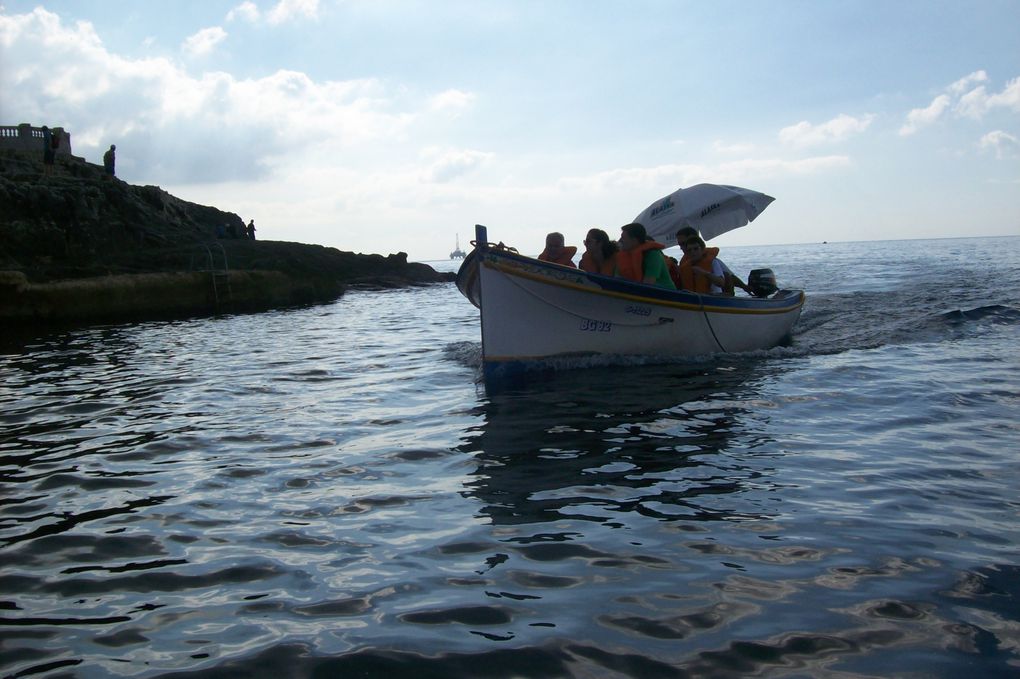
x=830 y=324
x=838 y=323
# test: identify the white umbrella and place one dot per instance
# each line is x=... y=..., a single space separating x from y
x=712 y=209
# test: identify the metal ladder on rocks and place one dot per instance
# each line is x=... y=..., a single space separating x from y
x=220 y=277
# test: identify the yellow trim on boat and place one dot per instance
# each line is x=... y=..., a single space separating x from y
x=516 y=271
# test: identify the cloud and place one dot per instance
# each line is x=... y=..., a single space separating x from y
x=448 y=164
x=920 y=117
x=767 y=167
x=964 y=84
x=1004 y=145
x=669 y=177
x=247 y=11
x=288 y=10
x=172 y=127
x=339 y=162
x=1009 y=97
x=973 y=104
x=723 y=147
x=976 y=103
x=631 y=178
x=282 y=12
x=839 y=128
x=452 y=101
x=203 y=42
x=963 y=98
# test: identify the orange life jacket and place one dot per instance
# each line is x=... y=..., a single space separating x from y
x=674 y=271
x=566 y=257
x=607 y=268
x=631 y=263
x=688 y=281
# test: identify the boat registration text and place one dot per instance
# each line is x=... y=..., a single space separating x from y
x=596 y=326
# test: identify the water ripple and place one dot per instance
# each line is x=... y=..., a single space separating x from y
x=330 y=491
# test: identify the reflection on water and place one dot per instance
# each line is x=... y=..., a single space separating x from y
x=598 y=444
x=330 y=492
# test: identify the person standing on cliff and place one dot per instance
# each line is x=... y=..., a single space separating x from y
x=251 y=229
x=49 y=152
x=109 y=160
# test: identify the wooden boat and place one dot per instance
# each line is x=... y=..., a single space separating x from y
x=533 y=310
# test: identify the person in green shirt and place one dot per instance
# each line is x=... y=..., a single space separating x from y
x=640 y=258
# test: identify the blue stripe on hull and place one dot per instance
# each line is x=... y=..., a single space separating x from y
x=555 y=275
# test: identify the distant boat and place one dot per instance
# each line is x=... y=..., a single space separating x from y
x=533 y=310
x=457 y=253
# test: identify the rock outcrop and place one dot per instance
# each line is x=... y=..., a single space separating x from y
x=78 y=246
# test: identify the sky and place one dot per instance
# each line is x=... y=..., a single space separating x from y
x=382 y=126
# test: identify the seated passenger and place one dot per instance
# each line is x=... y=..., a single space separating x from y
x=556 y=252
x=674 y=270
x=640 y=258
x=700 y=271
x=682 y=236
x=600 y=253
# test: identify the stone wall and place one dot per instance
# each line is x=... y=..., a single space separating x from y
x=153 y=295
x=26 y=138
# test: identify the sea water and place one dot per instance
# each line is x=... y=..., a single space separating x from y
x=332 y=491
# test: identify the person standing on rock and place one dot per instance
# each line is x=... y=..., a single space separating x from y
x=49 y=152
x=109 y=160
x=251 y=229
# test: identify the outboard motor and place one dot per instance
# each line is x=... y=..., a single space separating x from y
x=762 y=282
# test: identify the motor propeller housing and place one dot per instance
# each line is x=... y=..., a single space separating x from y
x=762 y=282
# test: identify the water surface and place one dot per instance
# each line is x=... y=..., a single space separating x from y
x=331 y=491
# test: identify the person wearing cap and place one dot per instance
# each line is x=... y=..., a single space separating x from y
x=682 y=237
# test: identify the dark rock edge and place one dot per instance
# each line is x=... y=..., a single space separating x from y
x=78 y=247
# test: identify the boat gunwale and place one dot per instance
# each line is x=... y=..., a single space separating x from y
x=621 y=288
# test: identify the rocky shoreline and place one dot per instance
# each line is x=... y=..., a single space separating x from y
x=78 y=247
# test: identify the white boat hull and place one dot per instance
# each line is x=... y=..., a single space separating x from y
x=533 y=310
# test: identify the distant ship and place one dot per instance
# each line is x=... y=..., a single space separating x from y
x=457 y=253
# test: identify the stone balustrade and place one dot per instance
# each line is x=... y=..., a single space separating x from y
x=25 y=137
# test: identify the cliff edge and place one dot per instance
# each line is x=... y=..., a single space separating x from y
x=78 y=246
